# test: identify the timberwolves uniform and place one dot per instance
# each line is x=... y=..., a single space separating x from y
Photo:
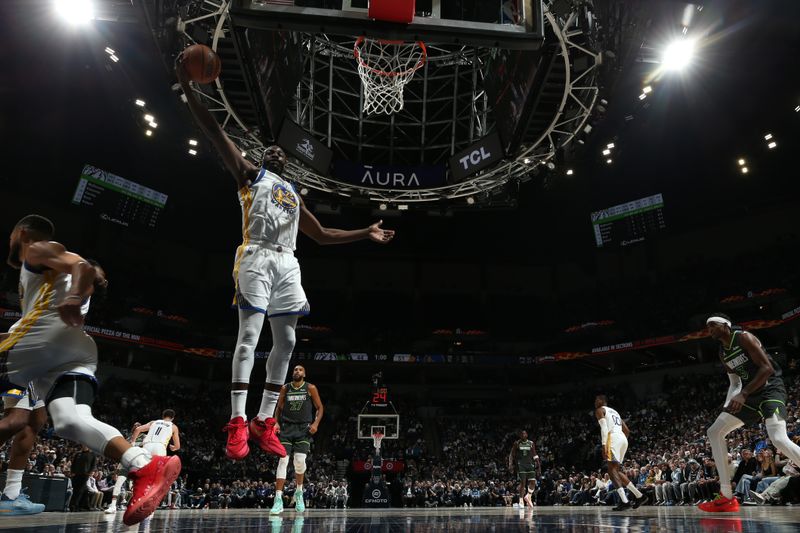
x=296 y=416
x=40 y=347
x=158 y=437
x=266 y=273
x=770 y=399
x=525 y=467
x=617 y=443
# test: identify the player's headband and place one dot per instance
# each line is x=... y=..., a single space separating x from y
x=718 y=320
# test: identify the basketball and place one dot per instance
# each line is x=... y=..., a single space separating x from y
x=201 y=63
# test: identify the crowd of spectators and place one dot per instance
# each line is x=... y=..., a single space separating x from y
x=669 y=457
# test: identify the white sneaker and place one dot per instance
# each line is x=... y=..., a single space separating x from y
x=111 y=509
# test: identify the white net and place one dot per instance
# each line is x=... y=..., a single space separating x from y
x=385 y=67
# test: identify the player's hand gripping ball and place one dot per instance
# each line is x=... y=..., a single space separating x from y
x=200 y=63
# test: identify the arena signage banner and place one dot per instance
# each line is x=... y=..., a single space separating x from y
x=302 y=145
x=476 y=157
x=386 y=467
x=390 y=176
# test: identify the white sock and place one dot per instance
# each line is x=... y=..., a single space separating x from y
x=135 y=458
x=630 y=486
x=278 y=494
x=299 y=490
x=622 y=496
x=13 y=484
x=269 y=400
x=238 y=403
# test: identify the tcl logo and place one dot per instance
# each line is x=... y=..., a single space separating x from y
x=474 y=158
x=480 y=155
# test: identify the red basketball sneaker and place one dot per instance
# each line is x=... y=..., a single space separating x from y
x=720 y=504
x=237 y=447
x=263 y=432
x=150 y=484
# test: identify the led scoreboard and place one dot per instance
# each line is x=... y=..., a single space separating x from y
x=118 y=200
x=629 y=223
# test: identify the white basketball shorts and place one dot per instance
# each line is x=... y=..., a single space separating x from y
x=616 y=447
x=268 y=281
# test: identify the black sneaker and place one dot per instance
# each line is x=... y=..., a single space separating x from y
x=622 y=506
x=639 y=501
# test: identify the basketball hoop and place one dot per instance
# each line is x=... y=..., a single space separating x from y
x=385 y=67
x=377 y=437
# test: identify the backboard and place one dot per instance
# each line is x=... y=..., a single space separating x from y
x=510 y=24
x=369 y=423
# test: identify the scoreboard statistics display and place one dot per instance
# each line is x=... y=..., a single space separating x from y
x=629 y=223
x=118 y=200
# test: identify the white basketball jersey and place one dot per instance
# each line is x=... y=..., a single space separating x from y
x=614 y=421
x=270 y=211
x=40 y=291
x=160 y=433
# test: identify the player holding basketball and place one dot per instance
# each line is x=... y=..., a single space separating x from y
x=756 y=393
x=614 y=437
x=296 y=430
x=48 y=349
x=31 y=417
x=523 y=454
x=266 y=274
x=156 y=442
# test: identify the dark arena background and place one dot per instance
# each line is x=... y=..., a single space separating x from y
x=575 y=187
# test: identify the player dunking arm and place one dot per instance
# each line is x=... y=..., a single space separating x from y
x=614 y=438
x=19 y=411
x=156 y=440
x=48 y=348
x=296 y=430
x=266 y=274
x=523 y=455
x=756 y=393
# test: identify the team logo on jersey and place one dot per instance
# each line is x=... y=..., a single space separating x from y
x=284 y=198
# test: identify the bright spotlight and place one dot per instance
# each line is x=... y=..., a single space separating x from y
x=304 y=191
x=153 y=124
x=606 y=151
x=382 y=207
x=647 y=90
x=244 y=154
x=75 y=11
x=741 y=162
x=768 y=136
x=772 y=145
x=609 y=161
x=569 y=172
x=797 y=109
x=745 y=170
x=139 y=102
x=678 y=54
x=642 y=96
x=610 y=145
x=402 y=207
x=470 y=200
x=192 y=142
x=192 y=151
x=526 y=161
x=149 y=133
x=149 y=118
x=110 y=51
x=114 y=58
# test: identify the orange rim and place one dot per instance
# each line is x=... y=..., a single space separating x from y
x=422 y=60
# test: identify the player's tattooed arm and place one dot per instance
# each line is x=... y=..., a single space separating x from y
x=320 y=409
x=765 y=369
x=279 y=409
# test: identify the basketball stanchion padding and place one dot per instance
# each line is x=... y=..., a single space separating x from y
x=401 y=11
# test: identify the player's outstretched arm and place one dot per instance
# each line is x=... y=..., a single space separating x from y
x=55 y=256
x=243 y=171
x=176 y=439
x=310 y=226
x=314 y=393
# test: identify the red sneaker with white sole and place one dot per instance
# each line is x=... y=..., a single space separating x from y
x=238 y=435
x=720 y=504
x=263 y=433
x=150 y=485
